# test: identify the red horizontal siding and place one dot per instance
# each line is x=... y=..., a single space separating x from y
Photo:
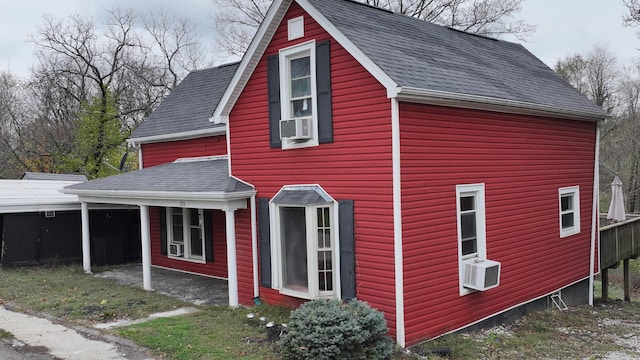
x=357 y=165
x=165 y=152
x=522 y=161
x=217 y=268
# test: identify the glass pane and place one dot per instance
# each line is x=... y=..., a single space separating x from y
x=302 y=107
x=176 y=224
x=194 y=219
x=327 y=221
x=294 y=248
x=301 y=87
x=196 y=241
x=300 y=67
x=325 y=274
x=566 y=202
x=469 y=246
x=467 y=203
x=567 y=220
x=468 y=226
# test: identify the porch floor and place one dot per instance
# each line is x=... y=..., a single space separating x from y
x=196 y=289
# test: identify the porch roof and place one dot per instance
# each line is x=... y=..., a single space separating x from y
x=192 y=180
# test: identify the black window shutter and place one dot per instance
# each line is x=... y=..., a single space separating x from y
x=208 y=235
x=347 y=250
x=163 y=230
x=265 y=242
x=273 y=85
x=323 y=91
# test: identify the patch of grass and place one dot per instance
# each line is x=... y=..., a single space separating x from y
x=67 y=292
x=4 y=334
x=577 y=333
x=215 y=333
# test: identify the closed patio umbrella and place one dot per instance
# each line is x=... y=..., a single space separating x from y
x=616 y=208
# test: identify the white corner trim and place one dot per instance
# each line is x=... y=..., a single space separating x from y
x=397 y=222
x=595 y=219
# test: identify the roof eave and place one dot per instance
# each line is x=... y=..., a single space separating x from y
x=476 y=102
x=162 y=195
x=186 y=135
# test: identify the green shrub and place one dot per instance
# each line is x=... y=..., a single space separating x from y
x=331 y=329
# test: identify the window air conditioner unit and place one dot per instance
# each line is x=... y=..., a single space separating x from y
x=176 y=249
x=481 y=274
x=296 y=129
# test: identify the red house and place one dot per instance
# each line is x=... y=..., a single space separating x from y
x=445 y=178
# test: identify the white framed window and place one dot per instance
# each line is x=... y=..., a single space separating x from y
x=304 y=243
x=298 y=98
x=470 y=213
x=185 y=234
x=569 y=206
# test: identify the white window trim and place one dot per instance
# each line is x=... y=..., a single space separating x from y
x=575 y=229
x=285 y=56
x=186 y=236
x=312 y=246
x=481 y=235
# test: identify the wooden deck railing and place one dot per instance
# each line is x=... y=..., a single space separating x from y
x=619 y=242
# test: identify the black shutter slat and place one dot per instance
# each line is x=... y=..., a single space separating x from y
x=265 y=241
x=208 y=235
x=273 y=84
x=347 y=250
x=323 y=91
x=163 y=230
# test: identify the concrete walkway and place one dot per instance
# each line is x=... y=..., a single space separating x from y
x=78 y=343
x=63 y=342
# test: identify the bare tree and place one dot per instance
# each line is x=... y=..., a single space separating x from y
x=595 y=75
x=89 y=75
x=632 y=17
x=238 y=20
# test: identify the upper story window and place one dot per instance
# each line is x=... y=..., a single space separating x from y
x=569 y=201
x=299 y=93
x=298 y=100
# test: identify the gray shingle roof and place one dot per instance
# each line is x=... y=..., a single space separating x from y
x=190 y=105
x=419 y=54
x=203 y=175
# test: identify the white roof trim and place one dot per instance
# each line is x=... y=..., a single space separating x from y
x=467 y=101
x=261 y=41
x=351 y=48
x=186 y=135
x=250 y=59
x=161 y=195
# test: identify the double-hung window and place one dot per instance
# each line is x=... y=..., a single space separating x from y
x=305 y=242
x=569 y=202
x=470 y=209
x=185 y=234
x=298 y=98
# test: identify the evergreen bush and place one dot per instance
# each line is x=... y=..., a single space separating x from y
x=331 y=329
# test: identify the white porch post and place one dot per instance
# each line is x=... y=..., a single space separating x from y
x=86 y=238
x=146 y=247
x=232 y=267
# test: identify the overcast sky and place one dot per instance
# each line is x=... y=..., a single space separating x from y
x=564 y=27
